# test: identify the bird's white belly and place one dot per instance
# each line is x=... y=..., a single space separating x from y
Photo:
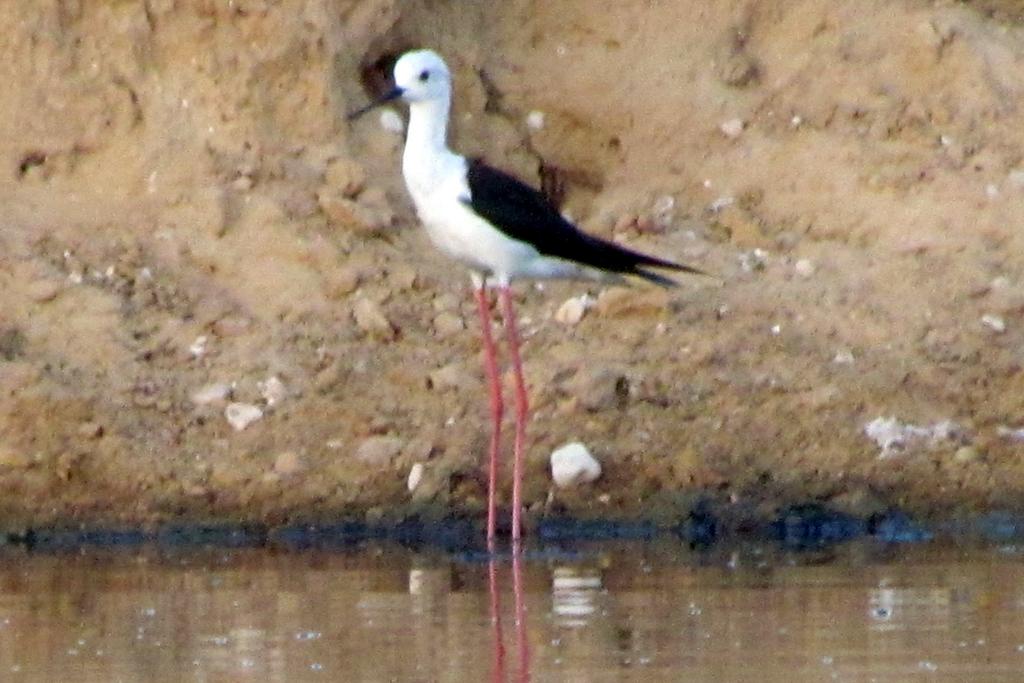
x=467 y=238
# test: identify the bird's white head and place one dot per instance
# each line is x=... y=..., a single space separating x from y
x=421 y=75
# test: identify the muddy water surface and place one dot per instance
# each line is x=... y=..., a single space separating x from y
x=660 y=612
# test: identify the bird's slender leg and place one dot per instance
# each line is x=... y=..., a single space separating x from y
x=497 y=407
x=522 y=407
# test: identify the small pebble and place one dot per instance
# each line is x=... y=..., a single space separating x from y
x=198 y=347
x=663 y=211
x=721 y=203
x=415 y=476
x=535 y=120
x=732 y=128
x=272 y=390
x=843 y=357
x=804 y=268
x=572 y=310
x=371 y=319
x=241 y=415
x=573 y=464
x=211 y=393
x=994 y=323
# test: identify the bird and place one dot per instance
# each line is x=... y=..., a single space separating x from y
x=503 y=231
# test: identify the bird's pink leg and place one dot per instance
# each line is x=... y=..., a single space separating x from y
x=522 y=407
x=497 y=407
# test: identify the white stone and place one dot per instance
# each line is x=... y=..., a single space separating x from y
x=535 y=120
x=573 y=464
x=572 y=310
x=272 y=390
x=804 y=268
x=663 y=212
x=732 y=128
x=415 y=476
x=891 y=435
x=721 y=203
x=211 y=393
x=241 y=415
x=198 y=347
x=994 y=323
x=843 y=357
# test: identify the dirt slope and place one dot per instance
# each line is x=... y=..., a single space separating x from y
x=189 y=221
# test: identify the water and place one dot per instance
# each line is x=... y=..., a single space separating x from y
x=606 y=612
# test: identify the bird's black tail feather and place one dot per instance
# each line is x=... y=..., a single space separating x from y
x=658 y=279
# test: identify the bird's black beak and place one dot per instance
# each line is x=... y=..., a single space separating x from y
x=390 y=95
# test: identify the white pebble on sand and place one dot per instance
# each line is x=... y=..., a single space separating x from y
x=994 y=323
x=572 y=310
x=415 y=476
x=804 y=268
x=843 y=357
x=241 y=415
x=198 y=347
x=891 y=435
x=732 y=128
x=573 y=464
x=272 y=390
x=535 y=120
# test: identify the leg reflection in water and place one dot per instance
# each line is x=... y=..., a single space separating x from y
x=519 y=601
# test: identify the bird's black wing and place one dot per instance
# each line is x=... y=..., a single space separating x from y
x=524 y=214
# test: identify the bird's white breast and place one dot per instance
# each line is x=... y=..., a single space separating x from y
x=439 y=191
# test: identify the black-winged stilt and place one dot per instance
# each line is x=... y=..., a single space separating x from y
x=502 y=230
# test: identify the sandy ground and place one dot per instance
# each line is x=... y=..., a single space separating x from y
x=192 y=231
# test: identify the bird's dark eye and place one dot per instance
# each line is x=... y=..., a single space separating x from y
x=424 y=75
